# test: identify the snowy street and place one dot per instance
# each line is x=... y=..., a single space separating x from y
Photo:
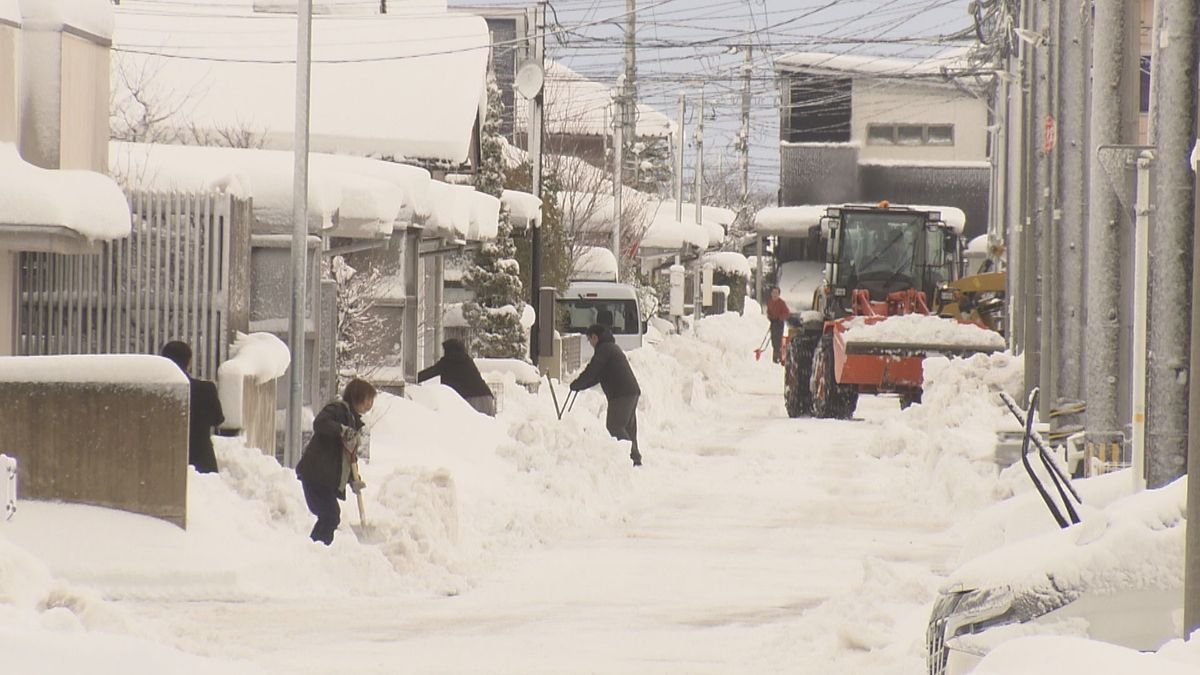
x=743 y=553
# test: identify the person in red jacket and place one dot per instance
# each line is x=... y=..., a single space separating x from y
x=777 y=312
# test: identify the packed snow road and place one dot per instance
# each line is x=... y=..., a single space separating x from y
x=753 y=544
x=748 y=542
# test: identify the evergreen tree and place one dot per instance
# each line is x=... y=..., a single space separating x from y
x=494 y=277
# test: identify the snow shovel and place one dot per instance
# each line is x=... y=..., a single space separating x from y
x=762 y=346
x=568 y=403
x=365 y=532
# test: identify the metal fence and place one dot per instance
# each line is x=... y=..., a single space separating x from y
x=182 y=274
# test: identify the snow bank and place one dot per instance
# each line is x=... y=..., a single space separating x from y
x=1055 y=655
x=525 y=373
x=91 y=16
x=86 y=202
x=924 y=330
x=117 y=369
x=260 y=356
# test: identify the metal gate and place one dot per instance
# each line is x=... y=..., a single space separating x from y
x=182 y=274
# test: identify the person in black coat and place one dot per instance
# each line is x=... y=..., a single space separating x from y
x=204 y=408
x=459 y=372
x=324 y=468
x=610 y=369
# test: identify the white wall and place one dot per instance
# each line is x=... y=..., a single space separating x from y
x=891 y=102
x=8 y=298
x=9 y=36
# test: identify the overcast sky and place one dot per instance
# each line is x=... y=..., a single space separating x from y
x=682 y=43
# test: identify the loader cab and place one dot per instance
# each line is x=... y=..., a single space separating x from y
x=888 y=249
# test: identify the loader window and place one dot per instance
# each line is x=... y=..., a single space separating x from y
x=881 y=251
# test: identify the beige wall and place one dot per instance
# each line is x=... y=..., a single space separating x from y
x=64 y=115
x=9 y=39
x=8 y=299
x=84 y=110
x=879 y=102
x=120 y=446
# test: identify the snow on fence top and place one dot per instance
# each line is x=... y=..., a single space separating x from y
x=258 y=356
x=924 y=329
x=523 y=372
x=90 y=16
x=86 y=202
x=595 y=264
x=523 y=207
x=795 y=221
x=577 y=106
x=391 y=85
x=870 y=65
x=729 y=262
x=129 y=369
x=485 y=216
x=266 y=175
x=451 y=210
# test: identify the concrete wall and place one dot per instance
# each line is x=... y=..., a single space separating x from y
x=965 y=187
x=817 y=173
x=65 y=85
x=121 y=446
x=9 y=71
x=890 y=102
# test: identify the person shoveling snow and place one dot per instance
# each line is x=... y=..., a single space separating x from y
x=330 y=460
x=610 y=369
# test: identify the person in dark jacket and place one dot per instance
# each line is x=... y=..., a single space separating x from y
x=324 y=468
x=204 y=408
x=459 y=372
x=610 y=369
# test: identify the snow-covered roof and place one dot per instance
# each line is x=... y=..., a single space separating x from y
x=462 y=211
x=595 y=263
x=576 y=105
x=85 y=202
x=94 y=17
x=729 y=262
x=389 y=85
x=666 y=233
x=862 y=64
x=714 y=219
x=485 y=216
x=132 y=369
x=265 y=175
x=795 y=221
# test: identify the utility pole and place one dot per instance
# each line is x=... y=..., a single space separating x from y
x=1074 y=29
x=698 y=191
x=679 y=141
x=1114 y=121
x=617 y=179
x=1171 y=237
x=1038 y=334
x=744 y=134
x=628 y=92
x=535 y=132
x=299 y=253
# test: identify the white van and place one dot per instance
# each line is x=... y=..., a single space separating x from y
x=604 y=302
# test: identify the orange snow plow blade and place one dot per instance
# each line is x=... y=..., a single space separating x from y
x=890 y=364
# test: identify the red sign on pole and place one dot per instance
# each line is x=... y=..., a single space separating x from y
x=1050 y=135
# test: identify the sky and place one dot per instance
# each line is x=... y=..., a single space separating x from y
x=747 y=542
x=683 y=43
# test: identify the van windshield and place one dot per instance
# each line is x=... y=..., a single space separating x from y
x=575 y=315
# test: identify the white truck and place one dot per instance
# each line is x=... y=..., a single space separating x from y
x=601 y=302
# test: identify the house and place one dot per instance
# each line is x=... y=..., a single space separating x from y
x=862 y=128
x=53 y=141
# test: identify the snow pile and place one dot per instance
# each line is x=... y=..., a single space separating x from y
x=1055 y=655
x=792 y=221
x=951 y=434
x=595 y=264
x=524 y=373
x=924 y=331
x=86 y=202
x=260 y=356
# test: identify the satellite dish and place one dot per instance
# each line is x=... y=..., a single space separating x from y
x=530 y=79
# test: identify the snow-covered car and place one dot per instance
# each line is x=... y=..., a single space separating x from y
x=1115 y=577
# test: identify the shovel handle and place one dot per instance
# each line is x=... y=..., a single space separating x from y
x=362 y=514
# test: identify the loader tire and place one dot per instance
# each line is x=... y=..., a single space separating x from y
x=830 y=399
x=797 y=394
